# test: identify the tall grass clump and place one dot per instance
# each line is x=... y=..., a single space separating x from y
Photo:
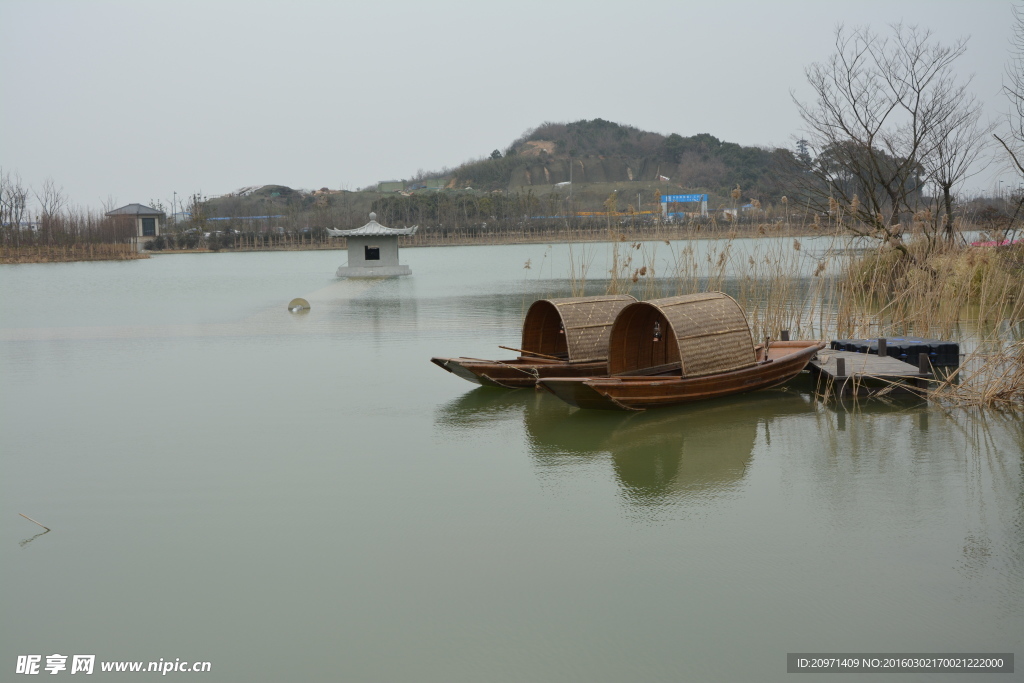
x=931 y=290
x=991 y=375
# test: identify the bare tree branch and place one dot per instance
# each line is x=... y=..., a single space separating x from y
x=51 y=198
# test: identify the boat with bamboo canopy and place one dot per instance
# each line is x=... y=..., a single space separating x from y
x=561 y=338
x=681 y=349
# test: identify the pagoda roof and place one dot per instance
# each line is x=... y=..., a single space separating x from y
x=135 y=210
x=375 y=229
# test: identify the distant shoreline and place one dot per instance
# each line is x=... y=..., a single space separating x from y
x=560 y=237
x=125 y=252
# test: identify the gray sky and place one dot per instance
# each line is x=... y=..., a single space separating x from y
x=135 y=100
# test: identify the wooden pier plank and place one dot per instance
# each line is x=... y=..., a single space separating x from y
x=865 y=369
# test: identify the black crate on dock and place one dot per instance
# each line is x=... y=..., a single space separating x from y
x=942 y=354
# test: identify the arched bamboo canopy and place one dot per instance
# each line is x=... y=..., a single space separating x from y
x=575 y=328
x=702 y=334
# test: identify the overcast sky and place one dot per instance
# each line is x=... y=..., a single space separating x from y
x=136 y=100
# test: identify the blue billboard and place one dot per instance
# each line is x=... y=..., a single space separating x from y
x=683 y=198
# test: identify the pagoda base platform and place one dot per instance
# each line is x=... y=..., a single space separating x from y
x=379 y=271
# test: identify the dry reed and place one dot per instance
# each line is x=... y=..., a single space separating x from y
x=986 y=376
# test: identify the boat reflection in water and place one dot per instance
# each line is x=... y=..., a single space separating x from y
x=701 y=450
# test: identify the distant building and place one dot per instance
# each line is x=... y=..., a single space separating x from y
x=147 y=221
x=667 y=199
x=373 y=250
x=390 y=186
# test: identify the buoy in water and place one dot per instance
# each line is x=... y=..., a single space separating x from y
x=298 y=305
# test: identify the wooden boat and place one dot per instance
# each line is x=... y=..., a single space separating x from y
x=682 y=349
x=561 y=338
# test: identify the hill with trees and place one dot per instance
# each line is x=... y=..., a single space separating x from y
x=599 y=151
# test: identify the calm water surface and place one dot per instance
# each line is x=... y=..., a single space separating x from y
x=307 y=498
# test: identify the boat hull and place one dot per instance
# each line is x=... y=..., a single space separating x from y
x=516 y=374
x=785 y=361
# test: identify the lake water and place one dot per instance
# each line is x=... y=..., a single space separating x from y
x=307 y=498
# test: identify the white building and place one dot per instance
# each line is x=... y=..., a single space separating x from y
x=373 y=250
x=147 y=221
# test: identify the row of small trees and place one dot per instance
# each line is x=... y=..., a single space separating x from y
x=53 y=223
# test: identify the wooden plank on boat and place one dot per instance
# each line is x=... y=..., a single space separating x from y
x=864 y=374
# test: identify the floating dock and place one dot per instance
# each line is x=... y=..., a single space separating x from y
x=941 y=354
x=847 y=373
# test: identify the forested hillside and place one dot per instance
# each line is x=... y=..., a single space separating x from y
x=600 y=151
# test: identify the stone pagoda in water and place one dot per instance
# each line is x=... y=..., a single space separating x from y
x=373 y=250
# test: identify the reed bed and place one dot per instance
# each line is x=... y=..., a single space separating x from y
x=932 y=292
x=971 y=295
x=848 y=288
x=986 y=376
x=62 y=253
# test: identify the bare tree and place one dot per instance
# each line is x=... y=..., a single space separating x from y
x=13 y=205
x=1012 y=139
x=877 y=104
x=109 y=204
x=958 y=144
